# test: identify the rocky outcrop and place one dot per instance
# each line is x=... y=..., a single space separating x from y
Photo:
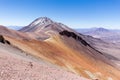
x=2 y=40
x=73 y=35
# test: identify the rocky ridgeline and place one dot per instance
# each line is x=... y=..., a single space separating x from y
x=73 y=35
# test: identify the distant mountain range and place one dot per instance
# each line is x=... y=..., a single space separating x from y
x=15 y=27
x=102 y=33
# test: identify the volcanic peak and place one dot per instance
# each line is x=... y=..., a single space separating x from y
x=41 y=21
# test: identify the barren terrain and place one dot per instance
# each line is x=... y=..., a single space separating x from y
x=15 y=65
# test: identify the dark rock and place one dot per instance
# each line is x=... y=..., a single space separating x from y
x=7 y=42
x=2 y=40
x=73 y=35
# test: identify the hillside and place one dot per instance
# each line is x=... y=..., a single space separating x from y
x=62 y=46
x=18 y=65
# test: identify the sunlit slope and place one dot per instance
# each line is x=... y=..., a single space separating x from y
x=60 y=45
x=70 y=54
x=15 y=64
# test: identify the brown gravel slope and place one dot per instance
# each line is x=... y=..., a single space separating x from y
x=14 y=65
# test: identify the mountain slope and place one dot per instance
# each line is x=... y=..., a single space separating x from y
x=66 y=48
x=18 y=65
x=80 y=61
x=12 y=33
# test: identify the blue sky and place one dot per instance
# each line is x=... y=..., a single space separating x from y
x=74 y=13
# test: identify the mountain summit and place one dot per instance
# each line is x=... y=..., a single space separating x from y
x=101 y=30
x=41 y=21
x=44 y=24
x=37 y=24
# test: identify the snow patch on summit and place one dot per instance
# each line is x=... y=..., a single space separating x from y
x=41 y=21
